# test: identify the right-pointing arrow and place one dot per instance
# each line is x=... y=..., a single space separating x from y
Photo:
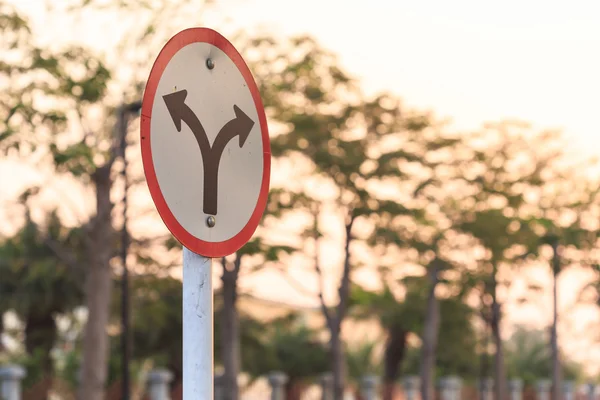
x=243 y=124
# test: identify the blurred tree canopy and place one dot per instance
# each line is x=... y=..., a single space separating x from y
x=37 y=286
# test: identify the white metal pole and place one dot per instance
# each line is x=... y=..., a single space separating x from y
x=197 y=327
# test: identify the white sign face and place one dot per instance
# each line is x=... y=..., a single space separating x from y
x=206 y=138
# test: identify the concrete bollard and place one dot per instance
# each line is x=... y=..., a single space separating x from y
x=542 y=389
x=486 y=388
x=411 y=385
x=368 y=387
x=326 y=383
x=568 y=390
x=10 y=382
x=277 y=380
x=218 y=390
x=158 y=384
x=590 y=391
x=515 y=389
x=450 y=388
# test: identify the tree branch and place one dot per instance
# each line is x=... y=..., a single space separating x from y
x=296 y=284
x=237 y=263
x=324 y=309
x=63 y=254
x=344 y=290
x=115 y=149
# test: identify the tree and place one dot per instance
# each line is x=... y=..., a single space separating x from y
x=507 y=167
x=401 y=317
x=37 y=285
x=346 y=142
x=90 y=158
x=423 y=234
x=563 y=226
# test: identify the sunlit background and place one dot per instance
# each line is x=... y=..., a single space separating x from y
x=467 y=62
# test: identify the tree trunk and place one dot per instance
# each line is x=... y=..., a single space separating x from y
x=430 y=336
x=1 y=329
x=230 y=332
x=338 y=364
x=395 y=349
x=499 y=370
x=294 y=389
x=556 y=368
x=335 y=323
x=40 y=335
x=484 y=359
x=97 y=290
x=335 y=319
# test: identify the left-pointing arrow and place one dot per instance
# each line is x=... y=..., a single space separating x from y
x=180 y=111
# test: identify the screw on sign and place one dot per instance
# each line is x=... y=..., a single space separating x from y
x=207 y=160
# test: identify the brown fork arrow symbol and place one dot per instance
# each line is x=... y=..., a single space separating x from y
x=240 y=126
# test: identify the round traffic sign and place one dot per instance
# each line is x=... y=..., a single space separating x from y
x=205 y=143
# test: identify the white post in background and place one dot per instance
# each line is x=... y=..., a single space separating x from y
x=277 y=380
x=486 y=388
x=368 y=387
x=410 y=384
x=197 y=327
x=590 y=391
x=10 y=382
x=326 y=381
x=451 y=388
x=568 y=390
x=542 y=388
x=158 y=384
x=515 y=388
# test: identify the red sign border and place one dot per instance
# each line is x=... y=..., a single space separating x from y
x=176 y=43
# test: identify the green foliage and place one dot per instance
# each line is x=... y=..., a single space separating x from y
x=388 y=309
x=291 y=347
x=39 y=283
x=457 y=343
x=456 y=352
x=34 y=278
x=156 y=324
x=528 y=356
x=362 y=360
x=506 y=177
x=269 y=252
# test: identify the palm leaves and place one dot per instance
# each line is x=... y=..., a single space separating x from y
x=529 y=357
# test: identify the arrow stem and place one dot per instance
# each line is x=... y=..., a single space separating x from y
x=190 y=118
x=211 y=182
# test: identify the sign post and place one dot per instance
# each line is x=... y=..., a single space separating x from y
x=197 y=326
x=207 y=160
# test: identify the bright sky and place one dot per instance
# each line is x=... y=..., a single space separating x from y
x=470 y=61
